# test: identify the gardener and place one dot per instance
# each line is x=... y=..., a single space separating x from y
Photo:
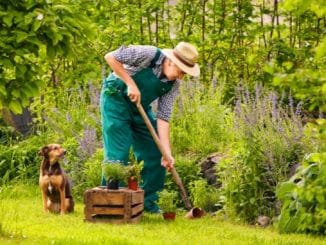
x=141 y=74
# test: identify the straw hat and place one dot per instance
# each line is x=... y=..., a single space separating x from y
x=185 y=56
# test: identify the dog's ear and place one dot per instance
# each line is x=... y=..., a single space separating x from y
x=44 y=151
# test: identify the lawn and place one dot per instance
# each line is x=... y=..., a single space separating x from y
x=22 y=221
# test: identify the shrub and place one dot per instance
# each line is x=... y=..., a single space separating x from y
x=21 y=160
x=203 y=195
x=304 y=198
x=90 y=173
x=188 y=171
x=200 y=120
x=268 y=140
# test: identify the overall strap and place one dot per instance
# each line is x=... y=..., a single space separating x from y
x=156 y=57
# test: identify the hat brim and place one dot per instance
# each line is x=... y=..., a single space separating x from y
x=192 y=71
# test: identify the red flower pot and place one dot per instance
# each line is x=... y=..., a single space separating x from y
x=169 y=215
x=133 y=185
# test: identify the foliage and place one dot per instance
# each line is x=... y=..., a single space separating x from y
x=89 y=175
x=33 y=33
x=133 y=170
x=113 y=171
x=200 y=120
x=203 y=195
x=167 y=201
x=56 y=111
x=317 y=131
x=21 y=161
x=268 y=140
x=188 y=170
x=49 y=54
x=8 y=135
x=304 y=198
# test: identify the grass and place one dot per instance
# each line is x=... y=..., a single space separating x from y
x=23 y=222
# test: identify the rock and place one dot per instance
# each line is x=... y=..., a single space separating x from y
x=208 y=168
x=263 y=220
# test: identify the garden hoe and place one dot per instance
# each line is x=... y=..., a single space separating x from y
x=193 y=212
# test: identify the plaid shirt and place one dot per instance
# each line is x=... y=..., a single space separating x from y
x=135 y=58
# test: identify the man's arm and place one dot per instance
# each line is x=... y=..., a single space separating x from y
x=163 y=128
x=117 y=67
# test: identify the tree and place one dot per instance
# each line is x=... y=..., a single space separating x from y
x=34 y=33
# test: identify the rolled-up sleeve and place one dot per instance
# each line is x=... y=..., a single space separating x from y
x=135 y=55
x=165 y=102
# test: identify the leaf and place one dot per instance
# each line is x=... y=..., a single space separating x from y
x=6 y=62
x=15 y=107
x=36 y=25
x=3 y=89
x=21 y=36
x=15 y=93
x=285 y=190
x=8 y=19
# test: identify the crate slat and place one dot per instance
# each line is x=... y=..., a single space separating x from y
x=107 y=210
x=137 y=209
x=114 y=206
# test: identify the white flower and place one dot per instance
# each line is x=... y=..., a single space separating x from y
x=40 y=16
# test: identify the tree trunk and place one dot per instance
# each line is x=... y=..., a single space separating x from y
x=22 y=122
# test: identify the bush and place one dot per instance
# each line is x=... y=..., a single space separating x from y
x=304 y=198
x=204 y=196
x=200 y=121
x=188 y=171
x=268 y=140
x=89 y=175
x=21 y=160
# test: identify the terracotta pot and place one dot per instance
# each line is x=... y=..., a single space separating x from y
x=169 y=215
x=133 y=185
x=112 y=184
x=195 y=213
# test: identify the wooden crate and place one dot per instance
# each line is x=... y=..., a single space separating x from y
x=115 y=206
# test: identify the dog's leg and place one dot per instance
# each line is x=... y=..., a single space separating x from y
x=44 y=199
x=62 y=201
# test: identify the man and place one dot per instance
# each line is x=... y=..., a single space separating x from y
x=141 y=74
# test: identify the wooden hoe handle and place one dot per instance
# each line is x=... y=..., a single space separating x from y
x=175 y=175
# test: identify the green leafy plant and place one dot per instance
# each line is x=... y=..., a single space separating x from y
x=113 y=171
x=167 y=201
x=203 y=195
x=268 y=139
x=304 y=198
x=133 y=170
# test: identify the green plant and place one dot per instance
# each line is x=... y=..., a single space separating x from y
x=113 y=171
x=203 y=195
x=20 y=160
x=268 y=139
x=90 y=174
x=304 y=198
x=200 y=121
x=133 y=170
x=167 y=201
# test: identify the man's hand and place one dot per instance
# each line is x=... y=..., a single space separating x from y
x=134 y=94
x=167 y=163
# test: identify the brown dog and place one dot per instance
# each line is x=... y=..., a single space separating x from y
x=54 y=183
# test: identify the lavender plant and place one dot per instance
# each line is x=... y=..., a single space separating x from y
x=201 y=121
x=74 y=118
x=268 y=139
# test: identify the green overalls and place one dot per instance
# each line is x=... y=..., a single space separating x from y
x=124 y=127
